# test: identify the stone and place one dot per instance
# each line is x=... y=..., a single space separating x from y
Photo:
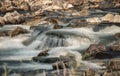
x=116 y=19
x=17 y=31
x=13 y=17
x=115 y=47
x=95 y=48
x=114 y=65
x=117 y=35
x=108 y=17
x=2 y=22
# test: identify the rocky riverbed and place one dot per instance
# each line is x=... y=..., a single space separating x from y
x=59 y=38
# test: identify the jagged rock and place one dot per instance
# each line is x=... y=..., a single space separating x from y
x=13 y=17
x=17 y=31
x=115 y=47
x=113 y=73
x=2 y=22
x=114 y=65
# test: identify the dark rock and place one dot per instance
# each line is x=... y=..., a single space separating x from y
x=4 y=33
x=117 y=35
x=17 y=31
x=115 y=47
x=43 y=53
x=94 y=49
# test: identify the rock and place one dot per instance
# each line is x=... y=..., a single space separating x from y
x=6 y=6
x=117 y=35
x=17 y=31
x=90 y=72
x=94 y=48
x=43 y=53
x=109 y=17
x=4 y=33
x=114 y=65
x=24 y=6
x=94 y=20
x=65 y=62
x=13 y=17
x=115 y=47
x=45 y=59
x=113 y=73
x=116 y=19
x=2 y=22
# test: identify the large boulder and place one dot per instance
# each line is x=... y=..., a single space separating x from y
x=13 y=18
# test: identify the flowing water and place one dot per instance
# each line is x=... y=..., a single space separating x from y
x=16 y=53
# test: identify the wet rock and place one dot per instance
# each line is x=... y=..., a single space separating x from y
x=65 y=62
x=13 y=17
x=4 y=33
x=114 y=64
x=44 y=53
x=17 y=31
x=2 y=22
x=117 y=35
x=94 y=49
x=113 y=73
x=115 y=47
x=45 y=59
